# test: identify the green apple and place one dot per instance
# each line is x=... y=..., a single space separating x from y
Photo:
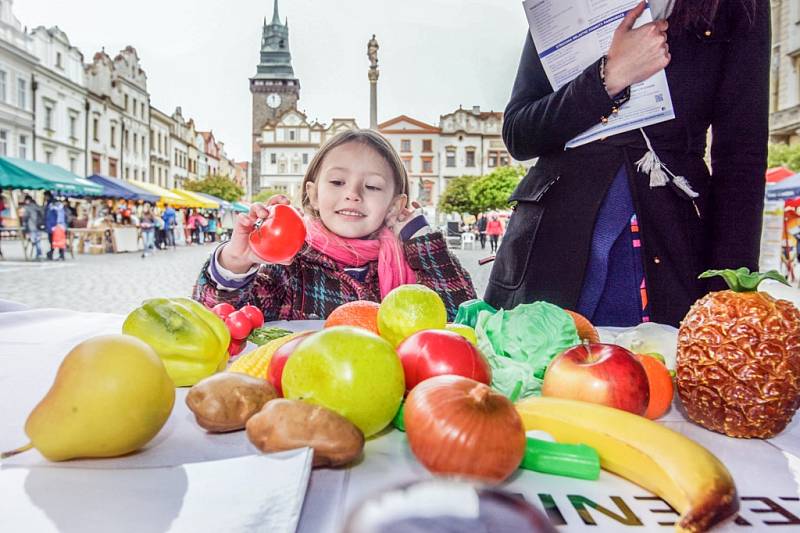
x=408 y=309
x=465 y=331
x=348 y=370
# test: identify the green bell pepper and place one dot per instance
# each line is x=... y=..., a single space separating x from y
x=190 y=339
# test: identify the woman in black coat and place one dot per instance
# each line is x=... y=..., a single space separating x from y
x=588 y=231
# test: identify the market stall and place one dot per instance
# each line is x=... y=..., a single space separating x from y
x=196 y=199
x=18 y=173
x=117 y=188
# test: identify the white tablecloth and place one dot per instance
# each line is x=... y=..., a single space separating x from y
x=33 y=343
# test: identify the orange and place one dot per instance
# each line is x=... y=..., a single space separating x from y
x=585 y=328
x=661 y=387
x=360 y=313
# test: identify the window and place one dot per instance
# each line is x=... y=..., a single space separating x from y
x=96 y=129
x=22 y=93
x=73 y=165
x=450 y=158
x=135 y=174
x=22 y=147
x=504 y=160
x=407 y=164
x=305 y=159
x=3 y=84
x=96 y=163
x=58 y=60
x=470 y=157
x=295 y=168
x=282 y=167
x=135 y=109
x=135 y=143
x=177 y=163
x=48 y=116
x=492 y=159
x=126 y=141
x=126 y=108
x=405 y=145
x=142 y=113
x=113 y=136
x=48 y=157
x=3 y=142
x=73 y=126
x=291 y=135
x=112 y=167
x=273 y=158
x=127 y=173
x=427 y=145
x=427 y=165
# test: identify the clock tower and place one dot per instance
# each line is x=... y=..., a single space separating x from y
x=274 y=88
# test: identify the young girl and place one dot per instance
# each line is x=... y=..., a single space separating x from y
x=362 y=241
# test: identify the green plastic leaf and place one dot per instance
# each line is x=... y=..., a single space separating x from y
x=742 y=280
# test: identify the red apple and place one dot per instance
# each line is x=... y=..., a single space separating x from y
x=436 y=352
x=278 y=361
x=599 y=373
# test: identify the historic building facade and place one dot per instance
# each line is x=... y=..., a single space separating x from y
x=418 y=146
x=105 y=117
x=17 y=63
x=784 y=119
x=160 y=149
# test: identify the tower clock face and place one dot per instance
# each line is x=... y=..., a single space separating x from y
x=273 y=100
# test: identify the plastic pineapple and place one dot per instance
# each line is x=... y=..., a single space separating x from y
x=738 y=367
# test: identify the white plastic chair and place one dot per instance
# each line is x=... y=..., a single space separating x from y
x=468 y=238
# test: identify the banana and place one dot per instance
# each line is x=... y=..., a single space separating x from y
x=686 y=475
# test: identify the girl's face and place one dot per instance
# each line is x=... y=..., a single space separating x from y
x=354 y=191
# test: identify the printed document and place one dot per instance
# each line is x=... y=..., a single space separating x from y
x=570 y=35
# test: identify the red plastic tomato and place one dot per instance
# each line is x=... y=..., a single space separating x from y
x=223 y=310
x=436 y=352
x=254 y=314
x=278 y=361
x=280 y=236
x=236 y=347
x=239 y=325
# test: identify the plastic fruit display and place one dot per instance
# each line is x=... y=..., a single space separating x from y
x=661 y=388
x=738 y=368
x=111 y=396
x=350 y=371
x=435 y=352
x=279 y=236
x=685 y=474
x=408 y=309
x=465 y=331
x=361 y=313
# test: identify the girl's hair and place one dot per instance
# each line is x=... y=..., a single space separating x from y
x=700 y=14
x=370 y=138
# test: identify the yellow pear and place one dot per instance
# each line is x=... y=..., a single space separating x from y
x=111 y=396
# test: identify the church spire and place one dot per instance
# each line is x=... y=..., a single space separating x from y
x=276 y=18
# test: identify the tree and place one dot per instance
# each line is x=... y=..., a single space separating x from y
x=492 y=191
x=456 y=198
x=265 y=194
x=784 y=155
x=219 y=186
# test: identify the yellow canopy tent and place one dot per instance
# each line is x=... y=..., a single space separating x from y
x=166 y=196
x=199 y=201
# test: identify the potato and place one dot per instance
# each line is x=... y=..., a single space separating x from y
x=225 y=401
x=289 y=424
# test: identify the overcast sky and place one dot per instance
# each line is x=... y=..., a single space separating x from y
x=434 y=54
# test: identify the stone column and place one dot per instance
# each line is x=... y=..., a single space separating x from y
x=373 y=98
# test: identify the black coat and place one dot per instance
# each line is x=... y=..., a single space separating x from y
x=718 y=77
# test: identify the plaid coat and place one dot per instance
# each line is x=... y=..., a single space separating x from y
x=314 y=284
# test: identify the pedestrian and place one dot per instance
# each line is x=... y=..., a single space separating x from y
x=147 y=226
x=590 y=231
x=169 y=225
x=211 y=228
x=481 y=225
x=32 y=220
x=55 y=215
x=494 y=229
x=191 y=222
x=362 y=241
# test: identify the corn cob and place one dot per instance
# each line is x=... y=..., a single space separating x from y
x=255 y=363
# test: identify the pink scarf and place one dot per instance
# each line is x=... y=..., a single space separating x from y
x=393 y=270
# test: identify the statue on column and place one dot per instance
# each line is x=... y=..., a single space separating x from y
x=372 y=52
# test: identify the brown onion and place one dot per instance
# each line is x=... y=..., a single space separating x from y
x=458 y=426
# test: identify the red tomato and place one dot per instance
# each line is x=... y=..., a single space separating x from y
x=239 y=325
x=436 y=352
x=254 y=314
x=278 y=361
x=280 y=236
x=223 y=310
x=236 y=347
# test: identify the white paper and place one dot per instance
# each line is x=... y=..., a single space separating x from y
x=570 y=35
x=255 y=493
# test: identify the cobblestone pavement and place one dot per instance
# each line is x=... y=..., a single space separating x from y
x=117 y=283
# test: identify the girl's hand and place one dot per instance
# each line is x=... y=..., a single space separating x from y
x=397 y=222
x=636 y=54
x=236 y=255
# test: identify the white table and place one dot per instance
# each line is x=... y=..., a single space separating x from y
x=33 y=343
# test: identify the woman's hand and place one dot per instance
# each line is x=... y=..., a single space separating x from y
x=236 y=255
x=399 y=221
x=636 y=54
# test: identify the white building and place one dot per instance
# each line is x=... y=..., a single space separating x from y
x=17 y=62
x=135 y=161
x=180 y=148
x=60 y=101
x=472 y=142
x=418 y=146
x=160 y=149
x=106 y=111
